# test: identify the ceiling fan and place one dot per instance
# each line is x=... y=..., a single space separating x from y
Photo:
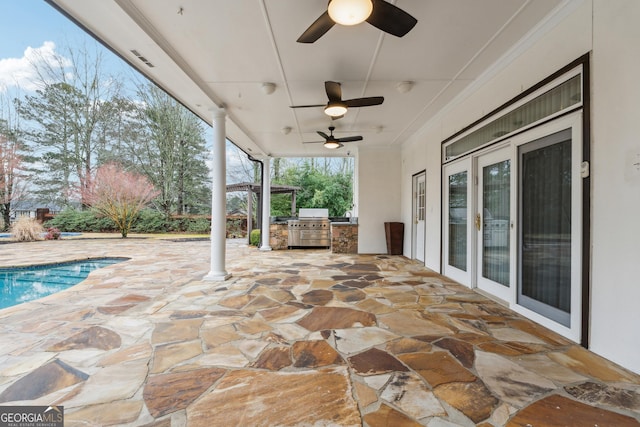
x=379 y=13
x=332 y=142
x=337 y=107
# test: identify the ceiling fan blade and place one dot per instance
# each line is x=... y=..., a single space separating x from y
x=365 y=102
x=313 y=142
x=350 y=139
x=334 y=91
x=317 y=29
x=306 y=106
x=324 y=135
x=391 y=19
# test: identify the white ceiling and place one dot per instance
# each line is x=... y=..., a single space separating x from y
x=212 y=53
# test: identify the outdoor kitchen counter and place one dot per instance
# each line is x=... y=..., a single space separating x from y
x=344 y=237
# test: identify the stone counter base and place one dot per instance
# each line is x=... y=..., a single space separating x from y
x=344 y=238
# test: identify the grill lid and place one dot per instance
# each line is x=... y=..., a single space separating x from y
x=313 y=213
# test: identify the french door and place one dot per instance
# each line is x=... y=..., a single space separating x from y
x=512 y=223
x=493 y=223
x=419 y=214
x=549 y=239
x=458 y=183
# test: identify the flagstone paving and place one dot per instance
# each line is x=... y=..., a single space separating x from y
x=294 y=338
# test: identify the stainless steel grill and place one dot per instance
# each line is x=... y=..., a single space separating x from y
x=309 y=230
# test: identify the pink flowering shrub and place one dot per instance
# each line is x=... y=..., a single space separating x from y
x=52 y=234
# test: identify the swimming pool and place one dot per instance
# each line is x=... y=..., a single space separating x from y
x=22 y=284
x=62 y=234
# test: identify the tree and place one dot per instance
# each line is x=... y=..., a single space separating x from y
x=11 y=183
x=329 y=186
x=171 y=153
x=118 y=195
x=70 y=113
x=13 y=176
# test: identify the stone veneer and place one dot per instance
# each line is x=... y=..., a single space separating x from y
x=279 y=236
x=344 y=238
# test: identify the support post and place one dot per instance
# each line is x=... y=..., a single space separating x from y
x=266 y=204
x=218 y=199
x=293 y=203
x=249 y=213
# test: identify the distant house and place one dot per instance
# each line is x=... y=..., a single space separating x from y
x=32 y=208
x=237 y=223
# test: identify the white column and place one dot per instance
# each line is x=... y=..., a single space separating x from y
x=266 y=203
x=218 y=199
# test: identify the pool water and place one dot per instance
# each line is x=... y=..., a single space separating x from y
x=62 y=234
x=22 y=284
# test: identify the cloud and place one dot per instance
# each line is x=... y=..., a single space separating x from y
x=20 y=72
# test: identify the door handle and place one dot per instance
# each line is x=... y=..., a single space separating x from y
x=478 y=221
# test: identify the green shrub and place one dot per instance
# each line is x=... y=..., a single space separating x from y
x=26 y=230
x=148 y=221
x=151 y=221
x=67 y=220
x=198 y=226
x=74 y=220
x=254 y=238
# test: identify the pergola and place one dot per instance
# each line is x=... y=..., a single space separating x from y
x=251 y=188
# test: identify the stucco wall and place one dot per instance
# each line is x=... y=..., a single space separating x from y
x=566 y=38
x=616 y=182
x=609 y=30
x=378 y=179
x=419 y=154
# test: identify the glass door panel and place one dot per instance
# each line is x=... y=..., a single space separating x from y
x=458 y=220
x=457 y=232
x=493 y=223
x=545 y=235
x=420 y=207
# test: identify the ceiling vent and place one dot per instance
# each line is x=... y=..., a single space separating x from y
x=142 y=58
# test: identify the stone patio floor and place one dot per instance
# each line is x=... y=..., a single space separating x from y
x=300 y=337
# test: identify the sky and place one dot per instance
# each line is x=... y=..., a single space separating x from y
x=33 y=29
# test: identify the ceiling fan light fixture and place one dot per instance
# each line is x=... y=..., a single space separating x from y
x=335 y=109
x=350 y=12
x=331 y=144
